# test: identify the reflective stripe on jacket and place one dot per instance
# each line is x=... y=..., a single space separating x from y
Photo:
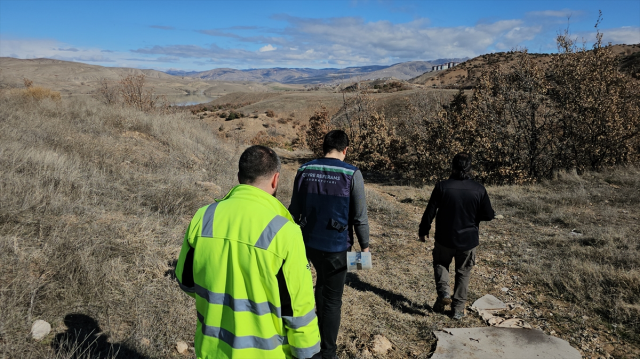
x=244 y=261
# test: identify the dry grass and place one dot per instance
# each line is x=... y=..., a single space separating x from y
x=93 y=204
x=94 y=201
x=580 y=287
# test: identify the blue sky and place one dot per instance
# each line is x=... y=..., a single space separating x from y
x=202 y=35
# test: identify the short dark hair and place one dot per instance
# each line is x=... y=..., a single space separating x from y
x=256 y=162
x=461 y=166
x=335 y=140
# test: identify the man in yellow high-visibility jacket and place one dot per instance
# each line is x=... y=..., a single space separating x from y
x=243 y=260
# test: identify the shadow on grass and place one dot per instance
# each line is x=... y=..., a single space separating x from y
x=396 y=300
x=84 y=339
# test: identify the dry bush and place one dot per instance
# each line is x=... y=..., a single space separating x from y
x=27 y=83
x=319 y=126
x=37 y=93
x=108 y=92
x=94 y=203
x=270 y=140
x=392 y=86
x=431 y=134
x=523 y=125
x=515 y=123
x=599 y=106
x=270 y=113
x=135 y=95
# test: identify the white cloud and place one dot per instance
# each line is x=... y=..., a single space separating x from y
x=267 y=48
x=344 y=41
x=622 y=35
x=352 y=41
x=565 y=13
x=26 y=48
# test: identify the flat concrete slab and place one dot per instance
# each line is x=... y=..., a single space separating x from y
x=501 y=343
x=488 y=302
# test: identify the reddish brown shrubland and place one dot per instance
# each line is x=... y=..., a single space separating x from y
x=521 y=124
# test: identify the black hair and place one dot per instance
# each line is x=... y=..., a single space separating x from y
x=335 y=140
x=461 y=166
x=256 y=162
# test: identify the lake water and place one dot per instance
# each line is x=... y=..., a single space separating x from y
x=187 y=100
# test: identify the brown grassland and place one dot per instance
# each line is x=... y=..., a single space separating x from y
x=94 y=201
x=95 y=196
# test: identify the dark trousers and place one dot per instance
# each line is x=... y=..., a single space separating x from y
x=331 y=272
x=465 y=260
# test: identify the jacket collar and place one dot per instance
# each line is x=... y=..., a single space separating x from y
x=257 y=195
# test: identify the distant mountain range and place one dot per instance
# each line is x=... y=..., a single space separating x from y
x=401 y=71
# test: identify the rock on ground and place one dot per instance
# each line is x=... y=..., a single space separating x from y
x=488 y=302
x=381 y=345
x=40 y=329
x=501 y=343
x=182 y=347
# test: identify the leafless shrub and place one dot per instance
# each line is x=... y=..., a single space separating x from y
x=107 y=92
x=134 y=94
x=270 y=113
x=270 y=140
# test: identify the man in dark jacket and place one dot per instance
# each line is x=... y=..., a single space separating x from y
x=328 y=202
x=458 y=204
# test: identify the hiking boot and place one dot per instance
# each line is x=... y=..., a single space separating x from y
x=457 y=315
x=440 y=303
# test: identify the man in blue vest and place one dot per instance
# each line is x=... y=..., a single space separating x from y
x=328 y=202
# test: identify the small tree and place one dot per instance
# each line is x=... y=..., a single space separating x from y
x=134 y=94
x=515 y=130
x=599 y=106
x=319 y=126
x=108 y=92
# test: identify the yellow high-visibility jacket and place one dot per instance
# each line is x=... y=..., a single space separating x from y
x=243 y=260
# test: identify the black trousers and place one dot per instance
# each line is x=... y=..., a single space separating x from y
x=331 y=272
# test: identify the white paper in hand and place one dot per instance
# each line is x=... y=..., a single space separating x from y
x=358 y=261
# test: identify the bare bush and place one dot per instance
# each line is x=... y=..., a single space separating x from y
x=107 y=92
x=515 y=127
x=134 y=94
x=524 y=125
x=319 y=126
x=599 y=107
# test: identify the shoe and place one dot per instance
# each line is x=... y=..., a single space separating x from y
x=457 y=315
x=441 y=303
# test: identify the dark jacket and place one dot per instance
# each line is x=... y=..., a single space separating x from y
x=460 y=206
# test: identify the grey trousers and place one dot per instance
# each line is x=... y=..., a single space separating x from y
x=465 y=260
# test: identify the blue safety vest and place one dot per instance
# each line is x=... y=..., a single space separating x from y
x=324 y=192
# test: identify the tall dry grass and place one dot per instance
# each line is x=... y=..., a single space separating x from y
x=94 y=200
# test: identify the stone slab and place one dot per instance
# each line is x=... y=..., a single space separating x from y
x=501 y=343
x=488 y=302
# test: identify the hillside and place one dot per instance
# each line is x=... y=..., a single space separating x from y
x=465 y=74
x=95 y=200
x=74 y=78
x=402 y=71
